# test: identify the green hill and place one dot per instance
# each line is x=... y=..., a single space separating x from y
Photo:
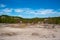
x=16 y=19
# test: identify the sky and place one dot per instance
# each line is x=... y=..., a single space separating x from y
x=30 y=8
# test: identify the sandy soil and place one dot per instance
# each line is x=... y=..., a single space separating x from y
x=9 y=33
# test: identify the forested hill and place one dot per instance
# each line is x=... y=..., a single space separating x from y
x=16 y=19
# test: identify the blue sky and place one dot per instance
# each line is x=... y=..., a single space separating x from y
x=30 y=8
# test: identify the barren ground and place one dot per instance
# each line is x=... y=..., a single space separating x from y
x=9 y=33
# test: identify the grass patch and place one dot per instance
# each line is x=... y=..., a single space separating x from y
x=35 y=34
x=8 y=34
x=22 y=26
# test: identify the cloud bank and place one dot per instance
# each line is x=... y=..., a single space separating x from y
x=29 y=12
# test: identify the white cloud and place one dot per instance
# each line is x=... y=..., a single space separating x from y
x=18 y=10
x=2 y=5
x=45 y=11
x=20 y=15
x=3 y=13
x=36 y=11
x=7 y=10
x=29 y=11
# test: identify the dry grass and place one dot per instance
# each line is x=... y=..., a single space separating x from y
x=35 y=34
x=8 y=34
x=22 y=26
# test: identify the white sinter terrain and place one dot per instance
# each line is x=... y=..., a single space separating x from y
x=29 y=33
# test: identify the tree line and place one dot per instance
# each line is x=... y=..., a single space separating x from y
x=16 y=19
